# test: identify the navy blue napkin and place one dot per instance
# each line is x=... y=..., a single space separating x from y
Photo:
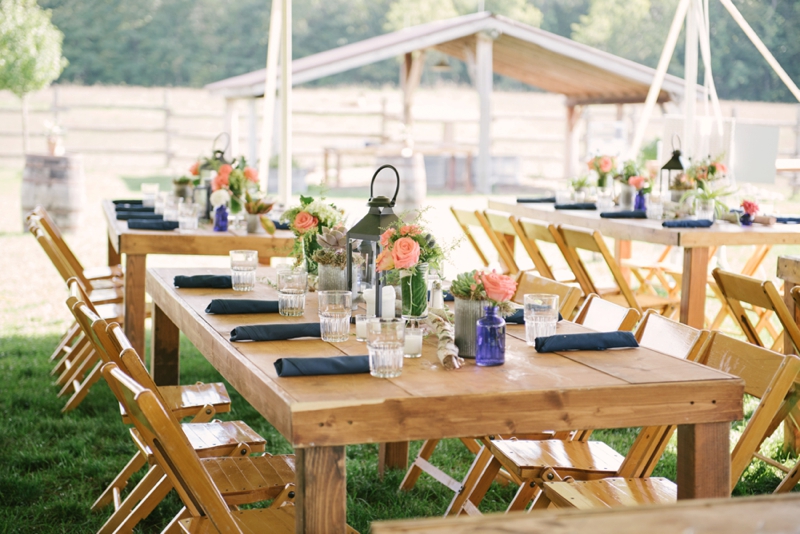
x=688 y=223
x=789 y=220
x=336 y=365
x=590 y=341
x=577 y=206
x=518 y=317
x=235 y=306
x=635 y=214
x=126 y=215
x=275 y=332
x=151 y=224
x=280 y=225
x=216 y=281
x=138 y=208
x=127 y=201
x=539 y=200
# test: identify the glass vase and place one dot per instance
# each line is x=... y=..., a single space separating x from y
x=626 y=195
x=746 y=219
x=414 y=291
x=639 y=203
x=490 y=338
x=331 y=278
x=467 y=313
x=221 y=218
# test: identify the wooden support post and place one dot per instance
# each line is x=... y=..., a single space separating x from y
x=135 y=269
x=252 y=133
x=484 y=82
x=321 y=491
x=167 y=130
x=571 y=149
x=690 y=81
x=232 y=127
x=410 y=76
x=165 y=350
x=285 y=162
x=392 y=456
x=268 y=120
x=791 y=434
x=693 y=286
x=622 y=251
x=112 y=254
x=704 y=461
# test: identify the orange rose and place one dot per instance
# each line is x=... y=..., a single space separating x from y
x=410 y=229
x=219 y=181
x=305 y=222
x=499 y=287
x=251 y=174
x=605 y=164
x=385 y=261
x=386 y=236
x=721 y=168
x=195 y=169
x=405 y=253
x=225 y=170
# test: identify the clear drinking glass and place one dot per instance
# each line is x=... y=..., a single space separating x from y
x=541 y=316
x=385 y=342
x=335 y=308
x=187 y=216
x=564 y=196
x=149 y=192
x=292 y=292
x=243 y=269
x=412 y=346
x=160 y=200
x=361 y=327
x=605 y=199
x=171 y=206
x=704 y=209
x=655 y=207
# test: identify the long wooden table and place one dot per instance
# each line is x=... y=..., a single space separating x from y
x=320 y=415
x=695 y=243
x=137 y=244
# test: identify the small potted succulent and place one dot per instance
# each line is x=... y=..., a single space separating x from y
x=256 y=209
x=331 y=258
x=183 y=187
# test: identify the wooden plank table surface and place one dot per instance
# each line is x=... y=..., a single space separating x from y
x=767 y=514
x=695 y=242
x=137 y=244
x=320 y=415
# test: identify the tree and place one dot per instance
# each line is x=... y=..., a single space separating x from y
x=30 y=52
x=406 y=13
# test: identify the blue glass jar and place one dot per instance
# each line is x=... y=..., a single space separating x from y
x=221 y=219
x=491 y=339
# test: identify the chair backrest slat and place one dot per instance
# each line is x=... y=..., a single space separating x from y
x=664 y=335
x=502 y=236
x=467 y=219
x=604 y=316
x=568 y=296
x=49 y=226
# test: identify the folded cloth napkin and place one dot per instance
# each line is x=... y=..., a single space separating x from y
x=539 y=200
x=518 y=317
x=233 y=306
x=789 y=220
x=138 y=208
x=635 y=214
x=590 y=341
x=280 y=225
x=448 y=297
x=217 y=281
x=336 y=365
x=274 y=332
x=688 y=223
x=126 y=215
x=151 y=224
x=127 y=201
x=577 y=206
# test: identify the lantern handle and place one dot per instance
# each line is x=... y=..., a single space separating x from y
x=397 y=176
x=674 y=137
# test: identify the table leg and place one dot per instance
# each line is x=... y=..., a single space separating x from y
x=622 y=251
x=113 y=255
x=791 y=434
x=135 y=270
x=693 y=286
x=164 y=350
x=393 y=456
x=704 y=461
x=321 y=490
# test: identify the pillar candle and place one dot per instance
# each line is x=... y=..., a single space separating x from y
x=387 y=302
x=369 y=298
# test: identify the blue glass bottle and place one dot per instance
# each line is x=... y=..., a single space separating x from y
x=221 y=219
x=491 y=339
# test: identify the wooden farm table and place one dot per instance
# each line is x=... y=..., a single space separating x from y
x=137 y=244
x=532 y=392
x=695 y=243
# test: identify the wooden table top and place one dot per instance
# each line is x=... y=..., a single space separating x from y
x=531 y=392
x=204 y=240
x=649 y=231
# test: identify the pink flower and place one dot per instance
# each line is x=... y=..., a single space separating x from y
x=636 y=181
x=405 y=253
x=410 y=229
x=499 y=287
x=219 y=181
x=721 y=168
x=251 y=174
x=590 y=164
x=385 y=261
x=305 y=222
x=195 y=169
x=749 y=207
x=224 y=170
x=386 y=236
x=606 y=164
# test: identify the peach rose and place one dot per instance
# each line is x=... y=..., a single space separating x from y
x=721 y=168
x=251 y=174
x=385 y=261
x=405 y=253
x=410 y=229
x=636 y=181
x=499 y=287
x=219 y=181
x=195 y=169
x=605 y=164
x=386 y=236
x=225 y=170
x=305 y=222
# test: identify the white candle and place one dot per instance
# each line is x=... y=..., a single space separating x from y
x=361 y=329
x=387 y=302
x=413 y=344
x=369 y=298
x=437 y=299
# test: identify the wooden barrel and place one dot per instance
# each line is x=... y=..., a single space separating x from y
x=57 y=184
x=413 y=182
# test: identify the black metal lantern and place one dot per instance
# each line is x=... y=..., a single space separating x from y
x=368 y=231
x=673 y=168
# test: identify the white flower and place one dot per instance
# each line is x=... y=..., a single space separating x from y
x=327 y=214
x=220 y=197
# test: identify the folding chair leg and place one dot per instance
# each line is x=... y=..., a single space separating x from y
x=477 y=482
x=413 y=473
x=76 y=370
x=173 y=527
x=66 y=340
x=528 y=491
x=142 y=500
x=83 y=390
x=69 y=355
x=120 y=481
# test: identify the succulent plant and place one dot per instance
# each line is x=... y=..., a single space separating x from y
x=334 y=239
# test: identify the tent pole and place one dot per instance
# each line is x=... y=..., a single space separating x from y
x=285 y=163
x=484 y=75
x=267 y=126
x=690 y=81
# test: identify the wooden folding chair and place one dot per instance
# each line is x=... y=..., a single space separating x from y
x=602 y=315
x=496 y=224
x=469 y=220
x=768 y=376
x=530 y=234
x=568 y=296
x=576 y=239
x=530 y=463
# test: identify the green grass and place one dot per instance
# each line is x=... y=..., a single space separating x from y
x=52 y=467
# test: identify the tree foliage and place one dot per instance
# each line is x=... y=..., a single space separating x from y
x=30 y=47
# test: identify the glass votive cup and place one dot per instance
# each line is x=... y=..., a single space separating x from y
x=172 y=206
x=335 y=308
x=160 y=200
x=412 y=345
x=385 y=344
x=149 y=192
x=704 y=209
x=564 y=196
x=361 y=326
x=187 y=217
x=243 y=269
x=541 y=316
x=292 y=286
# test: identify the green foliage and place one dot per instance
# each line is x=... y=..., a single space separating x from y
x=406 y=13
x=30 y=47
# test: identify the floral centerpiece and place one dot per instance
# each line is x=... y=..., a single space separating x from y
x=219 y=200
x=750 y=209
x=257 y=208
x=331 y=258
x=238 y=179
x=642 y=186
x=308 y=220
x=603 y=166
x=411 y=251
x=706 y=171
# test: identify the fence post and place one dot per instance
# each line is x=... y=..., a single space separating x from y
x=55 y=105
x=167 y=130
x=384 y=120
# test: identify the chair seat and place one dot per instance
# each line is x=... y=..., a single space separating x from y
x=186 y=401
x=218 y=438
x=106 y=296
x=250 y=479
x=102 y=272
x=111 y=312
x=647 y=302
x=273 y=520
x=611 y=492
x=580 y=459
